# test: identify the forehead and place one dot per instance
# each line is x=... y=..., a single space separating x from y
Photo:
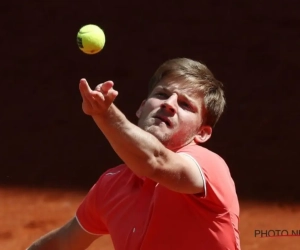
x=181 y=87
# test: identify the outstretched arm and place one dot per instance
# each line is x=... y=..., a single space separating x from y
x=142 y=152
x=69 y=237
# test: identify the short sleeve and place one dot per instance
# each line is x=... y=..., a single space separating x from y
x=88 y=214
x=220 y=188
x=201 y=174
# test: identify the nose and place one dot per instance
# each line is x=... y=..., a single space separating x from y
x=170 y=104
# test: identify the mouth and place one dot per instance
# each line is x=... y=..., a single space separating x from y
x=164 y=119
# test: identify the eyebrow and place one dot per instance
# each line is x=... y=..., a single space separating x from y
x=183 y=95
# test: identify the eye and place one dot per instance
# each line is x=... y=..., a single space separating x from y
x=185 y=105
x=161 y=95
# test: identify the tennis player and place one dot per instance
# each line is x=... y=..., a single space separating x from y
x=171 y=193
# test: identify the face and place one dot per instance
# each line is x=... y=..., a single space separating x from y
x=173 y=114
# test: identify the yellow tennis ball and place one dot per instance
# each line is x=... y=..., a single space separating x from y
x=90 y=39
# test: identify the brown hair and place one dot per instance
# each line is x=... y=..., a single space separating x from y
x=200 y=78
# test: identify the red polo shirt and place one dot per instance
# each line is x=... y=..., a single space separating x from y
x=141 y=214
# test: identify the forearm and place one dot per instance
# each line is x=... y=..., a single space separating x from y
x=49 y=241
x=140 y=150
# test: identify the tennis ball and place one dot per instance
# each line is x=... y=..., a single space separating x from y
x=90 y=39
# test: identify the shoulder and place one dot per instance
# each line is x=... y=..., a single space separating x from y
x=202 y=155
x=115 y=175
x=115 y=170
x=213 y=166
x=220 y=187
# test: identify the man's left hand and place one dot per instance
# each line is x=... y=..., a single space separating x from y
x=97 y=102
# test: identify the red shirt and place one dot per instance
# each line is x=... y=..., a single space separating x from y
x=142 y=214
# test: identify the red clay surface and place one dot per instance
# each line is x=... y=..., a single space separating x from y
x=26 y=214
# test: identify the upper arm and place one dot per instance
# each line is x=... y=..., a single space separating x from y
x=179 y=172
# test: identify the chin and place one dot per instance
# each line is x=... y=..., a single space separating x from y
x=163 y=137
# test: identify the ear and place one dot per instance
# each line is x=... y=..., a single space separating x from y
x=139 y=111
x=203 y=135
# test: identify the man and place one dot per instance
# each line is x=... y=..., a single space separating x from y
x=170 y=193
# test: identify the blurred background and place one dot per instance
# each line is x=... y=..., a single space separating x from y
x=251 y=46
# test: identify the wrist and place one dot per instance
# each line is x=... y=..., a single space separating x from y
x=112 y=117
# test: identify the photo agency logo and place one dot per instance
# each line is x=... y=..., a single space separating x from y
x=276 y=233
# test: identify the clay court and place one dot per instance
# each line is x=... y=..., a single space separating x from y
x=47 y=141
x=26 y=214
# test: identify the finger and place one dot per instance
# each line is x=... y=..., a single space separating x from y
x=84 y=88
x=107 y=99
x=98 y=97
x=106 y=86
x=83 y=85
x=98 y=87
x=112 y=94
x=86 y=92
